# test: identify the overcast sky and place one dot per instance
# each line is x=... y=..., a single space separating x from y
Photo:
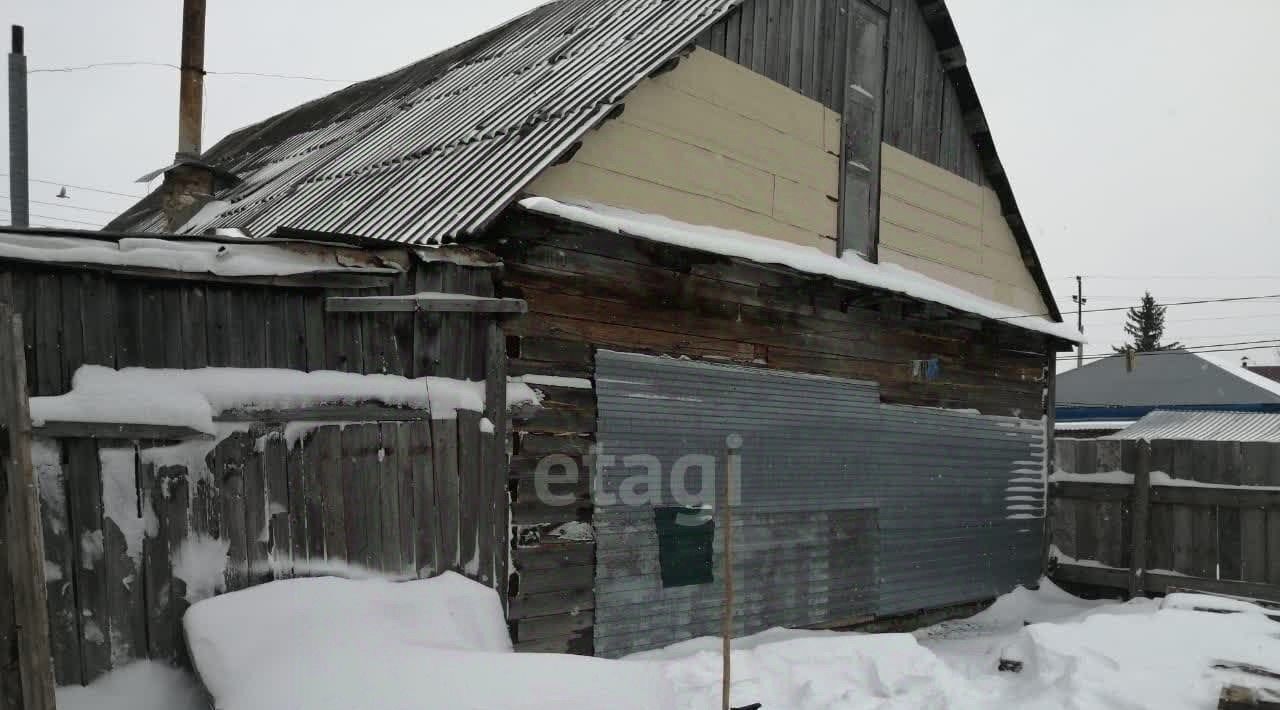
x=1140 y=135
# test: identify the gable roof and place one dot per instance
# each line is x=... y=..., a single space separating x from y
x=468 y=127
x=1174 y=377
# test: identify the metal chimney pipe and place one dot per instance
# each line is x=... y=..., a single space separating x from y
x=18 y=198
x=191 y=82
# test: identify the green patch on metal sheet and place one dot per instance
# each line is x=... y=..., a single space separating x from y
x=685 y=542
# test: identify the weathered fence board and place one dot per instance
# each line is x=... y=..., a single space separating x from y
x=141 y=520
x=26 y=672
x=1215 y=525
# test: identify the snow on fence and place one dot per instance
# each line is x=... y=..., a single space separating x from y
x=136 y=531
x=136 y=526
x=1149 y=516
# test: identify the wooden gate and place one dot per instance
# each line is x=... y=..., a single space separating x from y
x=26 y=674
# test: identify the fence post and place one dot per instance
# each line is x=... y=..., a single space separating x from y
x=495 y=410
x=22 y=534
x=1139 y=513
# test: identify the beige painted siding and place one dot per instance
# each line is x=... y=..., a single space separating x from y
x=951 y=229
x=714 y=143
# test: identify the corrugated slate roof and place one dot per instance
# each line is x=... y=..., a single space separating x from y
x=1204 y=426
x=437 y=149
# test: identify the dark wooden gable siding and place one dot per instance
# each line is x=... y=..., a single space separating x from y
x=804 y=44
x=927 y=106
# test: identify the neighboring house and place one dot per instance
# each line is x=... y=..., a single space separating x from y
x=1271 y=372
x=784 y=221
x=1104 y=397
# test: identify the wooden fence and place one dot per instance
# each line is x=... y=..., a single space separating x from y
x=1150 y=516
x=26 y=678
x=136 y=531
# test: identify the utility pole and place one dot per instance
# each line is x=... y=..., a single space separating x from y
x=18 y=198
x=1080 y=301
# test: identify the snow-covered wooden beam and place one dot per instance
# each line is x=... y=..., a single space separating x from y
x=425 y=303
x=112 y=430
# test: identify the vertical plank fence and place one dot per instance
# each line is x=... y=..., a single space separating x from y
x=26 y=673
x=1149 y=516
x=146 y=528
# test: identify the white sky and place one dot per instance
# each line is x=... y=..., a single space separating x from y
x=1140 y=134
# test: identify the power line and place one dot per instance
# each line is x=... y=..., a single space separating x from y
x=99 y=65
x=69 y=207
x=82 y=187
x=1163 y=305
x=270 y=75
x=1206 y=348
x=61 y=219
x=1174 y=277
x=166 y=65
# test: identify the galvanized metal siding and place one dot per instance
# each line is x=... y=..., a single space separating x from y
x=848 y=508
x=961 y=499
x=805 y=540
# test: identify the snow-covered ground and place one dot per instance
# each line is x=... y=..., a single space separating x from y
x=325 y=644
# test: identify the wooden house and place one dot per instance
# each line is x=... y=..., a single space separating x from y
x=777 y=225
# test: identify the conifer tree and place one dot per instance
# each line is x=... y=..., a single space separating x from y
x=1145 y=327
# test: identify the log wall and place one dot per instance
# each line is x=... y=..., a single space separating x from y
x=589 y=289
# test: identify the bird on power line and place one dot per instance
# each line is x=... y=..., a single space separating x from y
x=62 y=194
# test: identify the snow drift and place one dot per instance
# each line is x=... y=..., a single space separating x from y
x=330 y=644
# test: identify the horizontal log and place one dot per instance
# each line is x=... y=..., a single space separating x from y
x=1239 y=497
x=109 y=430
x=1157 y=583
x=553 y=555
x=326 y=413
x=424 y=303
x=357 y=279
x=526 y=606
x=555 y=580
x=560 y=626
x=1095 y=576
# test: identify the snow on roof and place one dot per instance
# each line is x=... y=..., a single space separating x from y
x=890 y=277
x=1091 y=425
x=192 y=398
x=187 y=256
x=1238 y=370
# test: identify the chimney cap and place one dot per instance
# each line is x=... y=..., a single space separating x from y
x=181 y=160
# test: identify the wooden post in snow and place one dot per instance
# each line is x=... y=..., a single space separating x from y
x=1140 y=510
x=732 y=443
x=22 y=543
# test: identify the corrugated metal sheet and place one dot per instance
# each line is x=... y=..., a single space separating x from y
x=1204 y=426
x=848 y=507
x=427 y=154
